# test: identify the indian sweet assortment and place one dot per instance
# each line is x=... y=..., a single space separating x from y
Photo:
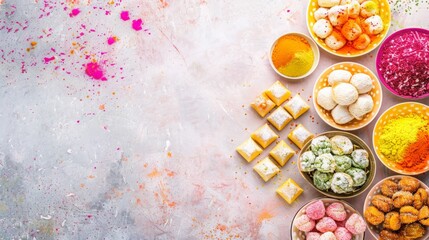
x=281 y=108
x=338 y=163
x=399 y=209
x=335 y=164
x=346 y=96
x=352 y=23
x=332 y=220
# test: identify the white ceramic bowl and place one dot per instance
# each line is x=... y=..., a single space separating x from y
x=313 y=46
x=295 y=234
x=376 y=190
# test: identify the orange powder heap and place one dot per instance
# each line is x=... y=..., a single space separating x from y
x=416 y=155
x=292 y=56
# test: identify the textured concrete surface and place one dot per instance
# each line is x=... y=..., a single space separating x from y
x=150 y=152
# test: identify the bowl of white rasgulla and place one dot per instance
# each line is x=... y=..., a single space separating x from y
x=348 y=28
x=347 y=96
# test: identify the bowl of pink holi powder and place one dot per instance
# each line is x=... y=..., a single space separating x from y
x=403 y=63
x=325 y=216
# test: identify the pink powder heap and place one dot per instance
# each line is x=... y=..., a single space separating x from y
x=93 y=69
x=48 y=59
x=125 y=15
x=137 y=24
x=112 y=40
x=74 y=12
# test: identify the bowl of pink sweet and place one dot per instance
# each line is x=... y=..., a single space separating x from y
x=327 y=219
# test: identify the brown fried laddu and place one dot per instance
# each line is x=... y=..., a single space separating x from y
x=389 y=235
x=392 y=221
x=402 y=198
x=408 y=214
x=424 y=215
x=413 y=231
x=388 y=188
x=420 y=198
x=409 y=184
x=373 y=215
x=383 y=203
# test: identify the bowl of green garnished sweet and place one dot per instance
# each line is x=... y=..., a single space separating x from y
x=337 y=164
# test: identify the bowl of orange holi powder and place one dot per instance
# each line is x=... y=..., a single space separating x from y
x=294 y=55
x=401 y=138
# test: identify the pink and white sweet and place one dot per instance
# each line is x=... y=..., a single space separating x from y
x=355 y=224
x=328 y=236
x=316 y=210
x=343 y=234
x=337 y=212
x=304 y=223
x=312 y=236
x=326 y=224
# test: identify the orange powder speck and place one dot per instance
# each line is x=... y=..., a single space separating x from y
x=91 y=176
x=82 y=185
x=154 y=173
x=221 y=227
x=145 y=165
x=138 y=201
x=141 y=186
x=101 y=107
x=170 y=173
x=264 y=215
x=172 y=204
x=33 y=44
x=169 y=154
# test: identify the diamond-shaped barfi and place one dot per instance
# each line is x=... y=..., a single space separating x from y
x=278 y=93
x=296 y=106
x=249 y=150
x=266 y=169
x=279 y=118
x=264 y=136
x=282 y=152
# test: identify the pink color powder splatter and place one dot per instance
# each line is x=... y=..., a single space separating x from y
x=48 y=59
x=74 y=12
x=93 y=69
x=112 y=40
x=125 y=15
x=137 y=24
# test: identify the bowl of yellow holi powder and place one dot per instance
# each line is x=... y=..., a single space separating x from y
x=294 y=56
x=401 y=138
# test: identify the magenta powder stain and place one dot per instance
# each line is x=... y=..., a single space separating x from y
x=93 y=69
x=137 y=24
x=111 y=40
x=48 y=59
x=125 y=15
x=74 y=12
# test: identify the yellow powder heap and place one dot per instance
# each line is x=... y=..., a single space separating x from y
x=398 y=133
x=292 y=56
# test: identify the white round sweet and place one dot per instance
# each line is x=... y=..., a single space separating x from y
x=338 y=76
x=328 y=3
x=335 y=41
x=325 y=100
x=321 y=13
x=338 y=15
x=344 y=94
x=322 y=28
x=362 y=106
x=341 y=114
x=353 y=9
x=362 y=82
x=373 y=25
